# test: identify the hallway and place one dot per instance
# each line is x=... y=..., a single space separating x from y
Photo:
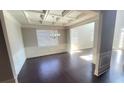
x=76 y=67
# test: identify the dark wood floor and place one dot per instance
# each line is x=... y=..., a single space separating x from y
x=66 y=68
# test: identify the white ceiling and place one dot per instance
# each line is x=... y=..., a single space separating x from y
x=52 y=17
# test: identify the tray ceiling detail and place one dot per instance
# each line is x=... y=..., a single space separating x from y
x=52 y=17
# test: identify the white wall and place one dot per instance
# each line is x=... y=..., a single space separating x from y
x=82 y=36
x=15 y=41
x=119 y=28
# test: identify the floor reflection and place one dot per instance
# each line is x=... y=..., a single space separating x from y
x=118 y=56
x=49 y=69
x=87 y=57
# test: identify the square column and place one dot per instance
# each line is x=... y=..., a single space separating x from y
x=104 y=41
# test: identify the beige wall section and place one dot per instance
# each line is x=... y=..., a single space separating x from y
x=14 y=36
x=29 y=37
x=63 y=37
x=68 y=39
x=31 y=46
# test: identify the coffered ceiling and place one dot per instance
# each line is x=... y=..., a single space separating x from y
x=52 y=17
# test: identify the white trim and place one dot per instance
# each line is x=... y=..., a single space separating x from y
x=8 y=45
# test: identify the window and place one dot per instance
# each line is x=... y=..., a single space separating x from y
x=47 y=38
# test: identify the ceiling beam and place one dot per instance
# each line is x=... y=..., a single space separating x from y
x=65 y=12
x=26 y=16
x=61 y=16
x=45 y=16
x=36 y=11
